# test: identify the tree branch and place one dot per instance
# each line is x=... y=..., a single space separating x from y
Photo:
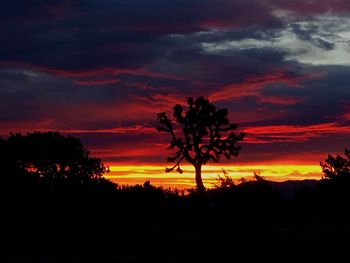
x=168 y=170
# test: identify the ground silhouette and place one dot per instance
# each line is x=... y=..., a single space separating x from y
x=52 y=214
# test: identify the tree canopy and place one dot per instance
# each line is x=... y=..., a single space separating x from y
x=202 y=134
x=49 y=157
x=338 y=167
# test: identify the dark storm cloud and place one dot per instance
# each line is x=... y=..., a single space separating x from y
x=91 y=65
x=26 y=95
x=308 y=34
x=323 y=99
x=85 y=35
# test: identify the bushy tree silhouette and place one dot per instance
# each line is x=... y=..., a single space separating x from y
x=49 y=157
x=332 y=192
x=206 y=135
x=338 y=167
x=225 y=181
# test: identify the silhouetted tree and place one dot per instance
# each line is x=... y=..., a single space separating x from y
x=333 y=190
x=225 y=181
x=49 y=157
x=206 y=135
x=337 y=168
x=258 y=177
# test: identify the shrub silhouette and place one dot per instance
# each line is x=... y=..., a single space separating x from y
x=225 y=181
x=207 y=135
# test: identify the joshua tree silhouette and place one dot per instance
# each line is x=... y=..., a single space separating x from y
x=207 y=135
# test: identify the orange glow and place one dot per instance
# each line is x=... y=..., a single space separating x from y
x=129 y=174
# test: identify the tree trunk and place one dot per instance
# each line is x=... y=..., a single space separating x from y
x=199 y=182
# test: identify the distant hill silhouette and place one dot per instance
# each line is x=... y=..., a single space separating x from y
x=288 y=188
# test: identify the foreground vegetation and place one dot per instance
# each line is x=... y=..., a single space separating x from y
x=57 y=207
x=48 y=173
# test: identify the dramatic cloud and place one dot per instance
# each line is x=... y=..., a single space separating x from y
x=285 y=133
x=102 y=70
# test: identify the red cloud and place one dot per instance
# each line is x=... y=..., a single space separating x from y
x=90 y=73
x=139 y=150
x=283 y=100
x=137 y=129
x=253 y=85
x=292 y=133
x=216 y=23
x=347 y=116
x=95 y=82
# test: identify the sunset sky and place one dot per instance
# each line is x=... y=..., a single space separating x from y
x=101 y=70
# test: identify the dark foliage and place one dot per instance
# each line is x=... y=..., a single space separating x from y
x=55 y=218
x=49 y=158
x=224 y=181
x=53 y=172
x=334 y=188
x=49 y=172
x=337 y=168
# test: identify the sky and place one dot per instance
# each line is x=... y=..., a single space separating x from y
x=101 y=70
